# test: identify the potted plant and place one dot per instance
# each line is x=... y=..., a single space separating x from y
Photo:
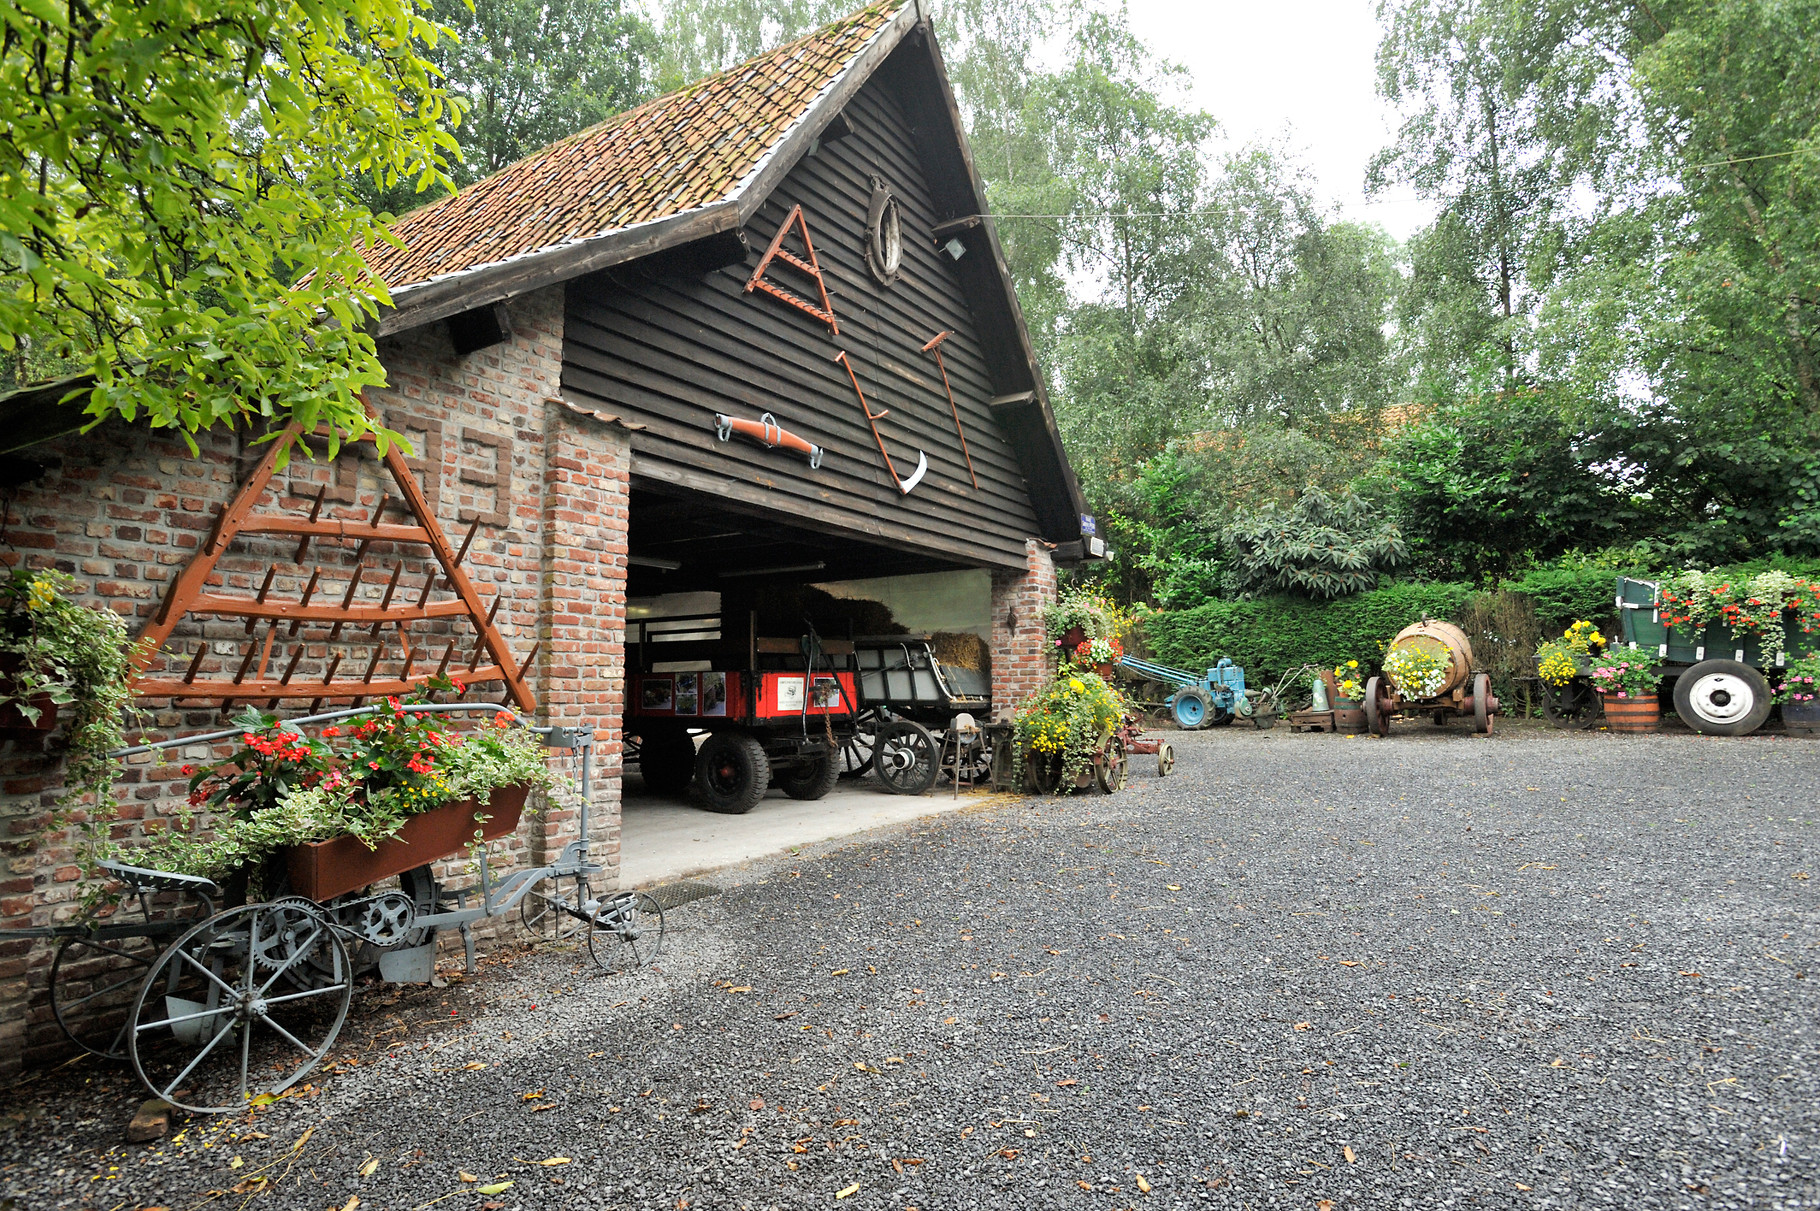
x=1418 y=670
x=1625 y=680
x=1799 y=696
x=63 y=662
x=1349 y=682
x=361 y=802
x=1100 y=655
x=1063 y=729
x=1085 y=617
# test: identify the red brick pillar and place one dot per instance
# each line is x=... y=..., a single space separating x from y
x=1022 y=657
x=583 y=663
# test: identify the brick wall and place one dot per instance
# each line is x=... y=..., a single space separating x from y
x=123 y=510
x=1023 y=660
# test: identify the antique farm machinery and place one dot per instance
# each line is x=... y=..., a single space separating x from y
x=1209 y=699
x=1428 y=669
x=216 y=999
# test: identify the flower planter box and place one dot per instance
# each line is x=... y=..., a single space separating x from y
x=322 y=870
x=1802 y=718
x=1638 y=713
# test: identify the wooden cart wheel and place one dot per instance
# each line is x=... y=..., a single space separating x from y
x=856 y=751
x=1165 y=759
x=1043 y=772
x=907 y=758
x=220 y=1020
x=626 y=931
x=1482 y=718
x=1377 y=719
x=1111 y=770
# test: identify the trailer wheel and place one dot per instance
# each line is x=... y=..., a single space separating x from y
x=667 y=761
x=907 y=758
x=1190 y=708
x=1722 y=698
x=731 y=774
x=811 y=781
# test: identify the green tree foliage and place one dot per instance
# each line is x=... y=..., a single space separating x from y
x=1321 y=546
x=178 y=201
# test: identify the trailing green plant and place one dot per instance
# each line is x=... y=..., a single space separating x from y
x=1419 y=670
x=1071 y=717
x=1626 y=673
x=364 y=779
x=1747 y=605
x=80 y=659
x=1322 y=546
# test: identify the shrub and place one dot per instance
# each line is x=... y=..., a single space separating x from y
x=1323 y=546
x=1562 y=596
x=1270 y=635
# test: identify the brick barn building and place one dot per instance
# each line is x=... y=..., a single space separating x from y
x=802 y=238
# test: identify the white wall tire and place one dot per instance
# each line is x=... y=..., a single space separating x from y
x=1722 y=698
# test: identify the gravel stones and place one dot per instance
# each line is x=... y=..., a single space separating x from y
x=1537 y=969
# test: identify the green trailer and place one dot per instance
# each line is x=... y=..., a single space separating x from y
x=1716 y=681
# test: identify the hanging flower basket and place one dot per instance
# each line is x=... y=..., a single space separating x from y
x=322 y=870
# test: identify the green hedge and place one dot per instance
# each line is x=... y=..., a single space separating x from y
x=1564 y=596
x=1268 y=635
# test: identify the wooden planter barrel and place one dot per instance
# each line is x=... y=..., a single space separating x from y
x=1802 y=718
x=322 y=870
x=1637 y=713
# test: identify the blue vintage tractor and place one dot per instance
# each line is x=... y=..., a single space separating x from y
x=1209 y=700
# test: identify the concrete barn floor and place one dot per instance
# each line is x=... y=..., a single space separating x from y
x=1531 y=970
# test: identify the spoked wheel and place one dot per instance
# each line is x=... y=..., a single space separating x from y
x=221 y=1017
x=626 y=931
x=907 y=758
x=1044 y=772
x=94 y=982
x=1572 y=706
x=1165 y=759
x=1113 y=767
x=856 y=751
x=550 y=913
x=1377 y=715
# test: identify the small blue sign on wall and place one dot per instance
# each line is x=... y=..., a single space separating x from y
x=1088 y=525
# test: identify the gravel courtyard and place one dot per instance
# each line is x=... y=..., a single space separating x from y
x=1532 y=970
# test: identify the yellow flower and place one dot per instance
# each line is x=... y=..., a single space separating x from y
x=1076 y=686
x=41 y=593
x=1352 y=664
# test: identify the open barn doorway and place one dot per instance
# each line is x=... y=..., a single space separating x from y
x=759 y=656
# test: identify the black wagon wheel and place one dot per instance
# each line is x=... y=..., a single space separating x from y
x=626 y=931
x=907 y=759
x=1571 y=707
x=1377 y=714
x=1113 y=767
x=666 y=761
x=1043 y=772
x=1722 y=698
x=856 y=750
x=220 y=1019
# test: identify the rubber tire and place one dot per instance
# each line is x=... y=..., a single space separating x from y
x=1376 y=721
x=1743 y=724
x=731 y=774
x=666 y=760
x=812 y=781
x=1221 y=717
x=1190 y=708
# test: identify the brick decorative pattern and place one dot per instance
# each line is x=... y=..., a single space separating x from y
x=1022 y=658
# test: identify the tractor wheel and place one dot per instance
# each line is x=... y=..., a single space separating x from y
x=1722 y=698
x=1190 y=708
x=731 y=774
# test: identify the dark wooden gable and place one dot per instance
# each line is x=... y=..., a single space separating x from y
x=666 y=346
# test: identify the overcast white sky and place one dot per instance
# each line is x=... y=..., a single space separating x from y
x=1304 y=68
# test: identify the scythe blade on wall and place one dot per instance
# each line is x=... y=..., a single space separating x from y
x=872 y=418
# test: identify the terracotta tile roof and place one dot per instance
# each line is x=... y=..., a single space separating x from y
x=678 y=152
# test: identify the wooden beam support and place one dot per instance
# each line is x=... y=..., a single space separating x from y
x=163 y=687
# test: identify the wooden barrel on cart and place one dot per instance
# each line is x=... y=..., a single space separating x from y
x=1444 y=638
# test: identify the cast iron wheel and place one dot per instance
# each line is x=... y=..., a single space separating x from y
x=667 y=761
x=1165 y=759
x=1190 y=708
x=1482 y=718
x=856 y=750
x=1043 y=773
x=731 y=774
x=626 y=931
x=1377 y=719
x=810 y=781
x=545 y=912
x=907 y=758
x=1113 y=767
x=1570 y=707
x=93 y=983
x=1722 y=698
x=218 y=1019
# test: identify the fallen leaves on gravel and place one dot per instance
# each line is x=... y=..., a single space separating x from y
x=1351 y=1157
x=1304 y=1025
x=495 y=1188
x=555 y=1160
x=848 y=1192
x=372 y=1166
x=757 y=1103
x=1142 y=1185
x=462 y=1175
